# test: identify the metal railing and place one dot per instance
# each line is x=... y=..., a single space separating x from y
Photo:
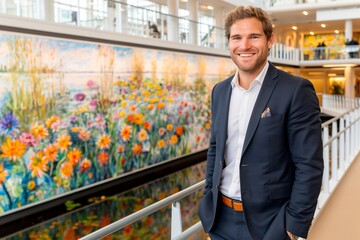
x=341 y=145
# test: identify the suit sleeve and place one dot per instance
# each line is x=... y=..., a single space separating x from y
x=304 y=136
x=212 y=148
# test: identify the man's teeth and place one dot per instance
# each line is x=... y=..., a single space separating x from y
x=246 y=54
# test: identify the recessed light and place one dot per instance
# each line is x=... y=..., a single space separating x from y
x=311 y=33
x=305 y=13
x=323 y=25
x=294 y=27
x=337 y=31
x=210 y=7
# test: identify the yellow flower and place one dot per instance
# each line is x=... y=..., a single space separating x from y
x=75 y=129
x=13 y=149
x=121 y=113
x=138 y=118
x=103 y=141
x=124 y=104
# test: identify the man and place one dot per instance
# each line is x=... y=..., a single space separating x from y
x=264 y=163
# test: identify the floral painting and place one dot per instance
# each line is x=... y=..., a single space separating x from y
x=103 y=211
x=76 y=113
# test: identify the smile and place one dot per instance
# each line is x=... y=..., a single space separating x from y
x=246 y=54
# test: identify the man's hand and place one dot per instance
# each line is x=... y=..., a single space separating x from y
x=292 y=236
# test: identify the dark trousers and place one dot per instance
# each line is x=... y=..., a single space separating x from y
x=229 y=225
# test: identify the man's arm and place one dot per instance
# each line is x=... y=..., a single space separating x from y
x=305 y=142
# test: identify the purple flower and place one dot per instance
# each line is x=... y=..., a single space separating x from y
x=91 y=84
x=73 y=118
x=8 y=124
x=79 y=97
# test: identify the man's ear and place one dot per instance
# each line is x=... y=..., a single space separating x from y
x=271 y=41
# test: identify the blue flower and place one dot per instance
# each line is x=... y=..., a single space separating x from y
x=8 y=124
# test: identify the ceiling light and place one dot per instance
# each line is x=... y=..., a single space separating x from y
x=311 y=33
x=323 y=25
x=305 y=13
x=340 y=65
x=294 y=27
x=332 y=74
x=337 y=31
x=210 y=7
x=184 y=0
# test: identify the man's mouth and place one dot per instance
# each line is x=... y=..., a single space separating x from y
x=246 y=54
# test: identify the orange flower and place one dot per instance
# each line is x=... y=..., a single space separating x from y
x=103 y=158
x=169 y=127
x=130 y=118
x=13 y=149
x=207 y=125
x=66 y=170
x=74 y=156
x=138 y=118
x=174 y=139
x=133 y=108
x=161 y=143
x=142 y=135
x=160 y=105
x=38 y=164
x=150 y=107
x=147 y=125
x=103 y=141
x=63 y=142
x=137 y=148
x=179 y=130
x=128 y=230
x=85 y=165
x=51 y=120
x=75 y=129
x=51 y=152
x=3 y=174
x=126 y=133
x=39 y=131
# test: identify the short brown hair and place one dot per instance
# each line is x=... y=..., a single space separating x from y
x=243 y=12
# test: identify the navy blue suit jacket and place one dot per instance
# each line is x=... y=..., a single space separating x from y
x=282 y=163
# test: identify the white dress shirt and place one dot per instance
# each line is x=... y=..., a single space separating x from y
x=242 y=102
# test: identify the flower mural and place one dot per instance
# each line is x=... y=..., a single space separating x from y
x=105 y=210
x=73 y=114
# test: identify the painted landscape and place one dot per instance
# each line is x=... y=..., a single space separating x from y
x=76 y=113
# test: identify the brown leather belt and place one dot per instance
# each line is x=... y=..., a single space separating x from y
x=236 y=205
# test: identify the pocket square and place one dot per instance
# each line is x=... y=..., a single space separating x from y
x=266 y=113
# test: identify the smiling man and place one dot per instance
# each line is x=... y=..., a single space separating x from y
x=264 y=163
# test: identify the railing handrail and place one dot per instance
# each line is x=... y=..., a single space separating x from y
x=115 y=226
x=327 y=180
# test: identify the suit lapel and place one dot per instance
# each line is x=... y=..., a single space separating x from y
x=265 y=93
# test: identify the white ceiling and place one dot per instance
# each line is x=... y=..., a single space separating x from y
x=284 y=17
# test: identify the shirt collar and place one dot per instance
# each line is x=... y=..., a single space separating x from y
x=260 y=78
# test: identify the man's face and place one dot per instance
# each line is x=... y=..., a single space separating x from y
x=248 y=45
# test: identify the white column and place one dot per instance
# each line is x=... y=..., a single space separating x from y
x=121 y=17
x=47 y=11
x=219 y=23
x=110 y=23
x=172 y=21
x=348 y=30
x=349 y=82
x=193 y=31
